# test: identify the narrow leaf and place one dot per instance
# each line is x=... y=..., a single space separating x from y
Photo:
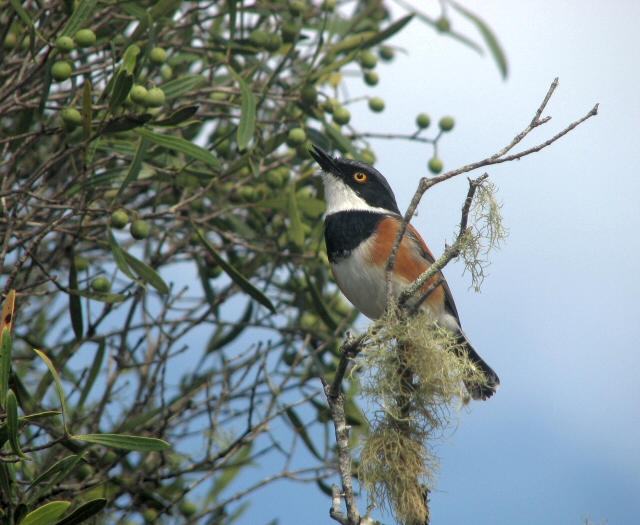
x=12 y=425
x=56 y=377
x=146 y=273
x=8 y=311
x=141 y=444
x=127 y=122
x=489 y=38
x=6 y=350
x=180 y=144
x=61 y=468
x=87 y=113
x=130 y=59
x=320 y=306
x=47 y=513
x=75 y=306
x=295 y=223
x=178 y=116
x=134 y=168
x=22 y=13
x=333 y=66
x=235 y=275
x=388 y=32
x=79 y=17
x=231 y=470
x=182 y=85
x=109 y=298
x=84 y=512
x=248 y=115
x=94 y=371
x=302 y=431
x=118 y=256
x=220 y=339
x=121 y=88
x=341 y=142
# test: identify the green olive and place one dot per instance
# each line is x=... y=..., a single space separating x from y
x=65 y=44
x=296 y=137
x=376 y=104
x=386 y=53
x=435 y=165
x=309 y=95
x=119 y=219
x=101 y=284
x=139 y=229
x=85 y=38
x=273 y=43
x=71 y=117
x=187 y=508
x=423 y=120
x=158 y=56
x=368 y=59
x=371 y=78
x=61 y=71
x=258 y=37
x=446 y=123
x=154 y=98
x=82 y=264
x=290 y=30
x=341 y=116
x=138 y=94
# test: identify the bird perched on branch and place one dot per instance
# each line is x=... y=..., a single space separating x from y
x=361 y=226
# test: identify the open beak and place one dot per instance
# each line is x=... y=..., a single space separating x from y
x=326 y=161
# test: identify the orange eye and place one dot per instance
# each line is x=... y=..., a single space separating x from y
x=360 y=177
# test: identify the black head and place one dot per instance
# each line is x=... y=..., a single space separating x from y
x=353 y=185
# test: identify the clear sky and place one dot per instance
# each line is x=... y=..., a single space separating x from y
x=558 y=317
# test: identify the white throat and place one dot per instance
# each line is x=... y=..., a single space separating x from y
x=341 y=197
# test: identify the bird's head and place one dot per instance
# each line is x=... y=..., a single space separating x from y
x=353 y=185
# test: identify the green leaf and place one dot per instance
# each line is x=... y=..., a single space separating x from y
x=75 y=306
x=118 y=256
x=248 y=114
x=54 y=475
x=84 y=512
x=47 y=513
x=12 y=425
x=220 y=339
x=94 y=371
x=318 y=138
x=130 y=59
x=134 y=422
x=20 y=512
x=180 y=144
x=79 y=17
x=388 y=32
x=127 y=122
x=295 y=223
x=182 y=85
x=87 y=113
x=22 y=13
x=178 y=116
x=320 y=306
x=134 y=168
x=333 y=66
x=489 y=38
x=121 y=147
x=141 y=444
x=300 y=429
x=146 y=273
x=6 y=350
x=341 y=142
x=121 y=88
x=235 y=275
x=56 y=378
x=109 y=298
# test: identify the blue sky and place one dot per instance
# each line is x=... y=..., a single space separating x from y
x=558 y=316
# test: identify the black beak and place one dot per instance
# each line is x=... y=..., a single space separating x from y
x=326 y=161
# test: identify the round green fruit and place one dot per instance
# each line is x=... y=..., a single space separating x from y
x=187 y=508
x=71 y=117
x=246 y=193
x=309 y=321
x=376 y=104
x=296 y=8
x=273 y=43
x=290 y=30
x=309 y=95
x=82 y=264
x=368 y=156
x=83 y=472
x=371 y=78
x=435 y=165
x=10 y=41
x=119 y=219
x=61 y=71
x=224 y=148
x=274 y=179
x=158 y=56
x=386 y=53
x=138 y=94
x=154 y=98
x=443 y=24
x=423 y=121
x=214 y=272
x=341 y=116
x=368 y=59
x=149 y=515
x=446 y=123
x=85 y=38
x=101 y=284
x=139 y=229
x=296 y=137
x=258 y=37
x=166 y=72
x=65 y=44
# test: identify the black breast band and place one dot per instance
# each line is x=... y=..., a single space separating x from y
x=345 y=230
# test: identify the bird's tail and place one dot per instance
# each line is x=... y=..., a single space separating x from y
x=487 y=388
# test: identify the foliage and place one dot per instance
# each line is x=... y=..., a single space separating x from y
x=208 y=323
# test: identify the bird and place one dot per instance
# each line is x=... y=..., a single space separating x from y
x=361 y=224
